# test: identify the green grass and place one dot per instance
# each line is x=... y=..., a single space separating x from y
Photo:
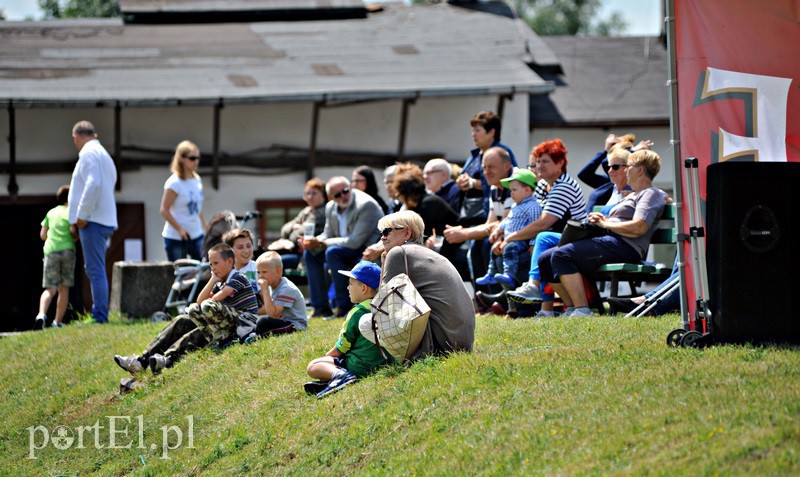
x=562 y=396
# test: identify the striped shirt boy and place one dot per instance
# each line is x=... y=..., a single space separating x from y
x=243 y=298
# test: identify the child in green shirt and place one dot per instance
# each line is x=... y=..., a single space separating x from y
x=59 y=260
x=353 y=356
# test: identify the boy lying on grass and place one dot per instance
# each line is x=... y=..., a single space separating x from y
x=284 y=307
x=353 y=356
x=213 y=319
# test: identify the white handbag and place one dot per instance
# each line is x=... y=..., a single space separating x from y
x=399 y=317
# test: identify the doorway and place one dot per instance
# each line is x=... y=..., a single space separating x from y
x=21 y=285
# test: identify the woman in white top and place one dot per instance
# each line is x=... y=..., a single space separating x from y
x=182 y=203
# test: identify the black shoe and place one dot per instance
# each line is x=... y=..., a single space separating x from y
x=315 y=387
x=489 y=300
x=321 y=312
x=620 y=305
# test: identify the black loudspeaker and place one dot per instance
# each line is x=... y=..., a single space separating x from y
x=753 y=251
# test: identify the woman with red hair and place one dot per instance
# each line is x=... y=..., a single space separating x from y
x=561 y=199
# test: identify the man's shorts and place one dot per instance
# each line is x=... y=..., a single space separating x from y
x=59 y=269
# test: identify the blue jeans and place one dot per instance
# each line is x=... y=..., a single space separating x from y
x=508 y=263
x=544 y=241
x=670 y=302
x=290 y=260
x=315 y=272
x=341 y=258
x=94 y=241
x=180 y=248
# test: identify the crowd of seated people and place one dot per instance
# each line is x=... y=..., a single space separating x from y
x=484 y=237
x=502 y=255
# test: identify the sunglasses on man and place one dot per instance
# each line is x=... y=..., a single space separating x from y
x=344 y=191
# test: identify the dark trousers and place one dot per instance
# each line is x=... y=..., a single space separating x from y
x=272 y=326
x=180 y=336
x=585 y=256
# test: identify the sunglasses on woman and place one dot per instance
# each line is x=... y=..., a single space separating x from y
x=192 y=158
x=385 y=232
x=615 y=167
x=344 y=191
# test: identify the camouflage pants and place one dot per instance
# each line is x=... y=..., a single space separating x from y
x=217 y=322
x=199 y=326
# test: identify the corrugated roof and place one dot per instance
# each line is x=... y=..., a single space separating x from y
x=403 y=51
x=607 y=81
x=131 y=6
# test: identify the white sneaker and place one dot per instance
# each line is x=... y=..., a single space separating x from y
x=158 y=362
x=527 y=293
x=41 y=318
x=130 y=364
x=581 y=312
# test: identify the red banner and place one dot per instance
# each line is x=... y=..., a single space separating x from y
x=738 y=71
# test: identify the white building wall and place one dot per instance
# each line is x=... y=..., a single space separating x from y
x=435 y=125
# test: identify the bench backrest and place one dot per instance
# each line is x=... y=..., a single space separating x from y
x=666 y=233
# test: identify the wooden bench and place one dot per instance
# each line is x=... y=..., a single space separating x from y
x=636 y=273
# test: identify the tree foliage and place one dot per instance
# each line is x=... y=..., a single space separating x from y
x=78 y=8
x=569 y=17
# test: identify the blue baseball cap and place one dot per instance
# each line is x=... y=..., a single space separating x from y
x=366 y=272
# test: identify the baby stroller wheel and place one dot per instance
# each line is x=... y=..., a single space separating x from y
x=160 y=317
x=674 y=337
x=690 y=339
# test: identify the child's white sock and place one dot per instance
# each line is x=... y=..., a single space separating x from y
x=339 y=372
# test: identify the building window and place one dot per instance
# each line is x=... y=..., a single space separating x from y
x=275 y=214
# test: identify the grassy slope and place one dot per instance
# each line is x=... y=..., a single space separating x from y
x=600 y=395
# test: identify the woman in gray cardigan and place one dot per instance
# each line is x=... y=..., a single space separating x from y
x=451 y=326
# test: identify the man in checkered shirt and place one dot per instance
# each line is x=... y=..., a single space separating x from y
x=526 y=209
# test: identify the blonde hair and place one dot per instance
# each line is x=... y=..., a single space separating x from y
x=408 y=219
x=647 y=159
x=619 y=153
x=272 y=259
x=182 y=150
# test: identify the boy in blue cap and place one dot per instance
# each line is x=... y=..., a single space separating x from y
x=525 y=210
x=353 y=356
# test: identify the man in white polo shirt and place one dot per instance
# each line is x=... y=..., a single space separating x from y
x=93 y=211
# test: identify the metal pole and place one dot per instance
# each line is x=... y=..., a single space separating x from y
x=674 y=133
x=401 y=141
x=13 y=187
x=118 y=143
x=215 y=146
x=312 y=142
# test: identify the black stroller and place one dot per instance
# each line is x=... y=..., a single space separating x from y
x=192 y=275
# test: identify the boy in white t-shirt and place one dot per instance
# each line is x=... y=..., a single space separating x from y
x=241 y=241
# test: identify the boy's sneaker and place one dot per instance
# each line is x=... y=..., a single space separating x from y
x=56 y=325
x=252 y=338
x=158 y=362
x=131 y=364
x=315 y=387
x=528 y=294
x=40 y=320
x=486 y=280
x=581 y=312
x=505 y=280
x=337 y=383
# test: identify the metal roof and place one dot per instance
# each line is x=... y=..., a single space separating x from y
x=607 y=81
x=404 y=51
x=129 y=6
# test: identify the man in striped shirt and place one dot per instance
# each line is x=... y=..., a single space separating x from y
x=213 y=319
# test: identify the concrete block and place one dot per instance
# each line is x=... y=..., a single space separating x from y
x=138 y=289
